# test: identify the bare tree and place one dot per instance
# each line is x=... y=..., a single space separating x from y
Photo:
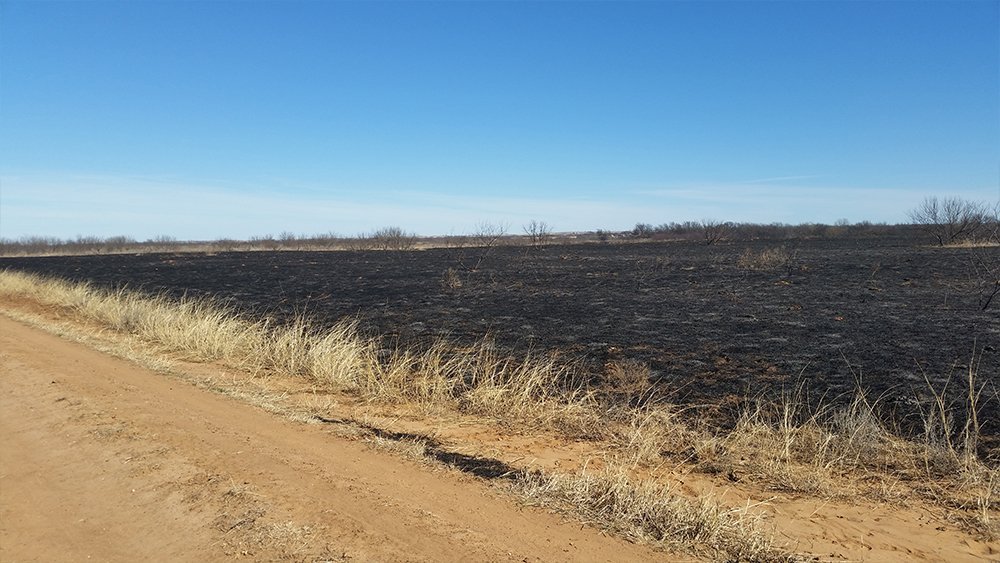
x=489 y=234
x=485 y=237
x=993 y=223
x=714 y=231
x=952 y=219
x=538 y=232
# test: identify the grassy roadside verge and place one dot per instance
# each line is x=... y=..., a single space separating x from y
x=783 y=446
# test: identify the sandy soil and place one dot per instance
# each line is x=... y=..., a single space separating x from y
x=102 y=460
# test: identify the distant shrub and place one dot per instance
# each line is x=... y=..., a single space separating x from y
x=264 y=242
x=643 y=230
x=715 y=231
x=393 y=238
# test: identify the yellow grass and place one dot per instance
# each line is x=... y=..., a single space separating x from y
x=479 y=380
x=825 y=451
x=766 y=259
x=648 y=512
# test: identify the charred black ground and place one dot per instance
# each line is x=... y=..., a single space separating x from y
x=882 y=312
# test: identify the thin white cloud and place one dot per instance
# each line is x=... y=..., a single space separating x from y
x=778 y=179
x=143 y=207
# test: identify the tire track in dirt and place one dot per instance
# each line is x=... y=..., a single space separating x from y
x=100 y=458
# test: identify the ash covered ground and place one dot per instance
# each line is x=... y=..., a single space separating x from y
x=882 y=313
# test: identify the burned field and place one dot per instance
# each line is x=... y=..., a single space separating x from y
x=713 y=325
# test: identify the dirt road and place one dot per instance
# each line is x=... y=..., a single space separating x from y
x=102 y=460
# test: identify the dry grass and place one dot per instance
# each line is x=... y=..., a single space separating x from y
x=982 y=243
x=764 y=260
x=613 y=499
x=248 y=532
x=791 y=446
x=647 y=512
x=536 y=391
x=786 y=444
x=848 y=451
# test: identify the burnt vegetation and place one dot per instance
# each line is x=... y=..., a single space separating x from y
x=802 y=358
x=707 y=312
x=766 y=308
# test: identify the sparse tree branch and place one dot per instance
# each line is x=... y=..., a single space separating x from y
x=393 y=238
x=538 y=232
x=952 y=220
x=715 y=231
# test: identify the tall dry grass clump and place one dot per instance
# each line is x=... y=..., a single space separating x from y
x=793 y=446
x=479 y=380
x=764 y=260
x=194 y=328
x=789 y=445
x=647 y=512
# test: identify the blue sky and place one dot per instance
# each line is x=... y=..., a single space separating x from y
x=231 y=119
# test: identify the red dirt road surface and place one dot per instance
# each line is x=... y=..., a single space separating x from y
x=106 y=461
